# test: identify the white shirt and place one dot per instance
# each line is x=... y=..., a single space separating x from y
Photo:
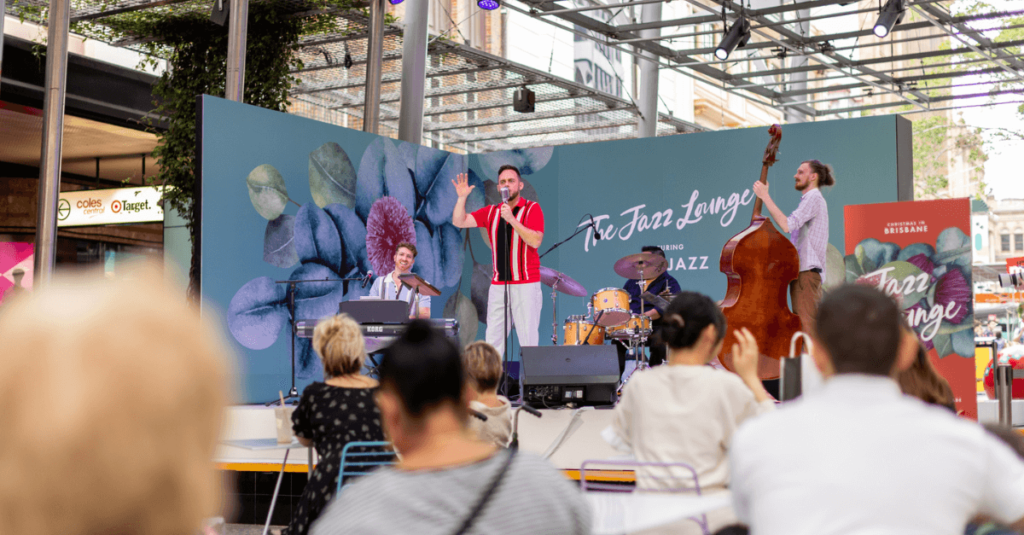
x=682 y=414
x=859 y=457
x=385 y=288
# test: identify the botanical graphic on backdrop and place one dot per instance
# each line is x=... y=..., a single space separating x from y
x=931 y=283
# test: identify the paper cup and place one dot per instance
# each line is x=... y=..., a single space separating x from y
x=283 y=417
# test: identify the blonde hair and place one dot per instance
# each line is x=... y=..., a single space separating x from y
x=339 y=342
x=112 y=394
x=483 y=366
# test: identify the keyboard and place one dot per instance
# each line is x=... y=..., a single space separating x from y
x=380 y=335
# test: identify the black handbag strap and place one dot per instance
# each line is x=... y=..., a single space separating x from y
x=480 y=504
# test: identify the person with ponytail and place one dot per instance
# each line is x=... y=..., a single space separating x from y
x=333 y=413
x=688 y=411
x=808 y=230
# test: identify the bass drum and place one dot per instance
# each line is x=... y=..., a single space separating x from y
x=576 y=329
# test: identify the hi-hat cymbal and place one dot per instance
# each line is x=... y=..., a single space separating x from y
x=641 y=266
x=562 y=282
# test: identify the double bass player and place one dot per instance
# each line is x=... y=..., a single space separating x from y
x=808 y=230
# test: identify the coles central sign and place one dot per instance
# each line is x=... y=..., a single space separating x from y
x=109 y=206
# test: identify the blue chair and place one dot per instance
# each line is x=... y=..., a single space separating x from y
x=361 y=458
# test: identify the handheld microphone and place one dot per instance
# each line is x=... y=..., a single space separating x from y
x=366 y=278
x=504 y=194
x=597 y=235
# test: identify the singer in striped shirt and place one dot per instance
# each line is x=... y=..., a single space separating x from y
x=516 y=229
x=808 y=230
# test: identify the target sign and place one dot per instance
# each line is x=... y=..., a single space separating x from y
x=115 y=206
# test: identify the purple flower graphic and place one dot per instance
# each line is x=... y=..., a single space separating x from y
x=387 y=225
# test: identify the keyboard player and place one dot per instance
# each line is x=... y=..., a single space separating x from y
x=390 y=287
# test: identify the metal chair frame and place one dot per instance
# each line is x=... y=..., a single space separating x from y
x=701 y=520
x=362 y=462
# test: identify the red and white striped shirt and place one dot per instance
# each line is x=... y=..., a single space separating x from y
x=525 y=262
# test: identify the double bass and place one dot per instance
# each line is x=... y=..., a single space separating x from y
x=760 y=263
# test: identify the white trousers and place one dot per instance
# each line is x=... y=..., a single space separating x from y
x=525 y=302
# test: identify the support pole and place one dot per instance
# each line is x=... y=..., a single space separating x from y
x=234 y=87
x=374 y=67
x=53 y=136
x=414 y=72
x=798 y=81
x=3 y=11
x=648 y=102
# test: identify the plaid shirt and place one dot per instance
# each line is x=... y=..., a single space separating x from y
x=808 y=230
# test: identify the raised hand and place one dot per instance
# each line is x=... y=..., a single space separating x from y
x=745 y=354
x=462 y=187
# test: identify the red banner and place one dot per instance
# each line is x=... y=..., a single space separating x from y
x=1015 y=265
x=920 y=253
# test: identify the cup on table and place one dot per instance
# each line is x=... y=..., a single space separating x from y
x=283 y=417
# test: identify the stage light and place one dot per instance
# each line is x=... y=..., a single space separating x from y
x=219 y=13
x=891 y=15
x=489 y=5
x=736 y=37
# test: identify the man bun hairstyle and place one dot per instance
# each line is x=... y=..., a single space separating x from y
x=826 y=176
x=687 y=316
x=407 y=245
x=861 y=328
x=507 y=167
x=423 y=368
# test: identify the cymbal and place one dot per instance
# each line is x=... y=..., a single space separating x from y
x=562 y=282
x=641 y=266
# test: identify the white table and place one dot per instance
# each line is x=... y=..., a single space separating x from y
x=614 y=513
x=267 y=444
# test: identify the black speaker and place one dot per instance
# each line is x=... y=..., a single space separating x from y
x=523 y=100
x=555 y=375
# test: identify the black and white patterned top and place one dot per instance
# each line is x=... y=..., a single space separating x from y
x=330 y=416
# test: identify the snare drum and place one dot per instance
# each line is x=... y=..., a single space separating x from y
x=614 y=303
x=576 y=328
x=636 y=325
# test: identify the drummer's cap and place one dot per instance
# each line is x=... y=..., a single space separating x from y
x=652 y=249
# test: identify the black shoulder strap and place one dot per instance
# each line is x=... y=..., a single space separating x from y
x=475 y=512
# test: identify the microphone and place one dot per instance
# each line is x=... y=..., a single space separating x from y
x=504 y=194
x=597 y=235
x=366 y=278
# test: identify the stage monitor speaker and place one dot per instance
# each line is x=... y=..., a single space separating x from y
x=555 y=375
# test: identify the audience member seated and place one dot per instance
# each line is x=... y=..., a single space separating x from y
x=447 y=480
x=113 y=392
x=921 y=380
x=483 y=372
x=857 y=456
x=688 y=411
x=333 y=413
x=982 y=525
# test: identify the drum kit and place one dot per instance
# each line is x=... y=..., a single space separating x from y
x=608 y=312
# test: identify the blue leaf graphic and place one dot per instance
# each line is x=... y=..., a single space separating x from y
x=383 y=171
x=476 y=200
x=307 y=363
x=258 y=312
x=528 y=161
x=316 y=237
x=426 y=259
x=353 y=238
x=316 y=300
x=332 y=179
x=279 y=242
x=449 y=255
x=434 y=184
x=408 y=152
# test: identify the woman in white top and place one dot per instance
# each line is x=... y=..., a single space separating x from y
x=390 y=287
x=688 y=411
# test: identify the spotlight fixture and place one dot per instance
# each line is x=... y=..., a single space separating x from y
x=524 y=100
x=219 y=13
x=489 y=5
x=736 y=37
x=891 y=15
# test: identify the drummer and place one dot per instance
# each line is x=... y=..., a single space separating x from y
x=662 y=284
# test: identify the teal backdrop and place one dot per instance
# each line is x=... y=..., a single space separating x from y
x=284 y=197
